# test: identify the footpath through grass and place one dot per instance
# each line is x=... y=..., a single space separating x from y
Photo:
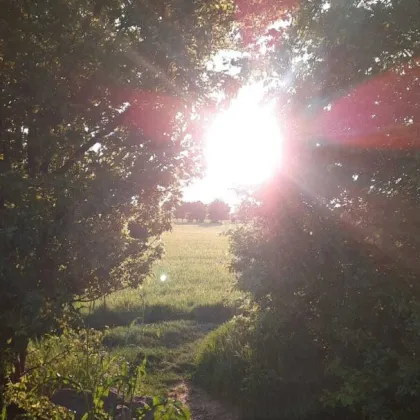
x=166 y=320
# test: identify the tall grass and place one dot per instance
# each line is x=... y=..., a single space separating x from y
x=251 y=361
x=197 y=283
x=223 y=359
x=168 y=346
x=167 y=320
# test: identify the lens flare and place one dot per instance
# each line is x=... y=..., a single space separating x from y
x=244 y=144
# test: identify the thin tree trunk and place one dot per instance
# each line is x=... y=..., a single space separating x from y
x=19 y=363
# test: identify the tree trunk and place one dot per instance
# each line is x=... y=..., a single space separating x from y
x=19 y=363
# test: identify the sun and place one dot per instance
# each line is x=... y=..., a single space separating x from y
x=244 y=143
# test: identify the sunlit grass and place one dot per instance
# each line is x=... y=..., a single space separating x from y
x=167 y=320
x=197 y=286
x=168 y=346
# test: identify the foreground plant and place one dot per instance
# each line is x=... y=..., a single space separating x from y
x=73 y=376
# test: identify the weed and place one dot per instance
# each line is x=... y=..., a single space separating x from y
x=169 y=347
x=88 y=375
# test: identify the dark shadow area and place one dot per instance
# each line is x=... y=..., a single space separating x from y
x=202 y=405
x=216 y=313
x=153 y=336
x=105 y=317
x=117 y=317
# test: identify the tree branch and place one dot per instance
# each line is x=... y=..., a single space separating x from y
x=107 y=130
x=46 y=363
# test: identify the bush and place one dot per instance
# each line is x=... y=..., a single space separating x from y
x=223 y=359
x=78 y=364
x=257 y=366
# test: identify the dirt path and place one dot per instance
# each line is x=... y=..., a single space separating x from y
x=202 y=405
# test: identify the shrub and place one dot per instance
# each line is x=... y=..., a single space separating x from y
x=223 y=359
x=337 y=323
x=78 y=363
x=256 y=363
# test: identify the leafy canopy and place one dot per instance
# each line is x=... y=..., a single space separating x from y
x=95 y=99
x=328 y=249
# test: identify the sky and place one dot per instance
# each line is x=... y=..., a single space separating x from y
x=243 y=147
x=206 y=190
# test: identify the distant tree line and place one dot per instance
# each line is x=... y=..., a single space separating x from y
x=198 y=211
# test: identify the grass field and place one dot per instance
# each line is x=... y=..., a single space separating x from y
x=166 y=320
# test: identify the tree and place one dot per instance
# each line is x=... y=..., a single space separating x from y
x=198 y=211
x=179 y=212
x=188 y=210
x=194 y=210
x=218 y=210
x=92 y=145
x=328 y=247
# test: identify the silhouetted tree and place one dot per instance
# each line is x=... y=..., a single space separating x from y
x=89 y=150
x=198 y=211
x=329 y=247
x=194 y=210
x=218 y=210
x=180 y=212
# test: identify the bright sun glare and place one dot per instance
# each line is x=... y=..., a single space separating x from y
x=243 y=145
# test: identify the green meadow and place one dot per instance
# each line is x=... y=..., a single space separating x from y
x=188 y=295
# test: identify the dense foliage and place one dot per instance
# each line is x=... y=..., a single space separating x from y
x=95 y=99
x=73 y=376
x=328 y=249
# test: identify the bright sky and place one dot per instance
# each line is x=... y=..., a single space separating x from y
x=242 y=148
x=206 y=191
